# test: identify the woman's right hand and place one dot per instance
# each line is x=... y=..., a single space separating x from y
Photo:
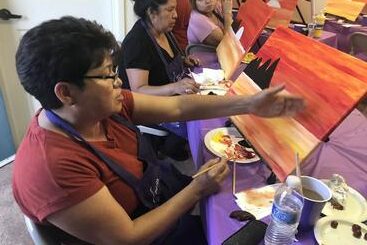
x=186 y=86
x=209 y=182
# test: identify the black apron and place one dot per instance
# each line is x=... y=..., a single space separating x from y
x=175 y=71
x=160 y=182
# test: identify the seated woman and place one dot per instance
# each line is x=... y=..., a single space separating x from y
x=153 y=63
x=82 y=166
x=208 y=21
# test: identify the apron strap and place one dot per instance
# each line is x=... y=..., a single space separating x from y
x=129 y=178
x=145 y=150
x=174 y=42
x=171 y=40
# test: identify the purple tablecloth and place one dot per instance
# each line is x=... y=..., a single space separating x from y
x=329 y=38
x=345 y=153
x=343 y=33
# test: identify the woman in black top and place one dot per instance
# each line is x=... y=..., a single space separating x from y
x=154 y=64
x=152 y=61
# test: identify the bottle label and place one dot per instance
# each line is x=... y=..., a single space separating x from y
x=289 y=218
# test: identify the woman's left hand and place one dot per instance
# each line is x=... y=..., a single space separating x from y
x=191 y=61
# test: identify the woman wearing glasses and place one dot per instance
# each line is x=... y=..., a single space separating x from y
x=63 y=176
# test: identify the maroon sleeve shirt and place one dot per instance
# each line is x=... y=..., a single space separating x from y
x=52 y=172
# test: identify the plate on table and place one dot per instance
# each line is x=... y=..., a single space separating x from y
x=355 y=207
x=223 y=142
x=257 y=201
x=219 y=88
x=211 y=80
x=212 y=91
x=342 y=234
x=208 y=76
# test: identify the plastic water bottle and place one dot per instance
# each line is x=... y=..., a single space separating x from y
x=286 y=213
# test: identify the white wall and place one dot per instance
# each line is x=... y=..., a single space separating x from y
x=119 y=18
x=126 y=18
x=130 y=16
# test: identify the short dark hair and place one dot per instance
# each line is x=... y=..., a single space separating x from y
x=141 y=7
x=61 y=50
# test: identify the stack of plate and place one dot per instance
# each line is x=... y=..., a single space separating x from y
x=354 y=212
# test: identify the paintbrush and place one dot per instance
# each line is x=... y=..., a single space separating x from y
x=203 y=171
x=298 y=171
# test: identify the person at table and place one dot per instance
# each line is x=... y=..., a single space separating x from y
x=183 y=10
x=61 y=174
x=152 y=62
x=208 y=21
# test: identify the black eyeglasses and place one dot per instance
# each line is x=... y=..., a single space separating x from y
x=104 y=77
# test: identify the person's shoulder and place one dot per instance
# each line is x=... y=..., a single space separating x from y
x=128 y=105
x=33 y=142
x=42 y=147
x=136 y=35
x=198 y=21
x=196 y=15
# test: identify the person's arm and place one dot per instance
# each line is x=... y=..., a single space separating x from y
x=139 y=83
x=101 y=220
x=138 y=79
x=227 y=14
x=203 y=30
x=214 y=37
x=267 y=103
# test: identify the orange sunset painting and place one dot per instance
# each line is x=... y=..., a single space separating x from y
x=345 y=8
x=230 y=54
x=282 y=15
x=252 y=21
x=331 y=82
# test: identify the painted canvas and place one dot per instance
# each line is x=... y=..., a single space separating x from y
x=331 y=82
x=344 y=8
x=230 y=54
x=283 y=13
x=274 y=144
x=261 y=72
x=253 y=21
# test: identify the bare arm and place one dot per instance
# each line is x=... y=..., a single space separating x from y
x=214 y=37
x=227 y=13
x=101 y=220
x=267 y=103
x=138 y=79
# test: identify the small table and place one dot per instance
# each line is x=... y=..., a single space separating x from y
x=343 y=30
